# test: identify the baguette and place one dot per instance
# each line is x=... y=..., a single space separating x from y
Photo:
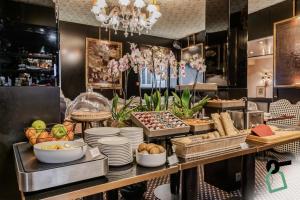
x=228 y=124
x=218 y=124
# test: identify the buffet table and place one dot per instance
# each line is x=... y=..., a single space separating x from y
x=136 y=174
x=184 y=174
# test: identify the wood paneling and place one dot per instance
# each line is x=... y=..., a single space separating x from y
x=20 y=106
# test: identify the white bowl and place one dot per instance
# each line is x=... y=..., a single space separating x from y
x=75 y=151
x=150 y=160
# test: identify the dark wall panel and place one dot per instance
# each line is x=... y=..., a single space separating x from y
x=291 y=94
x=72 y=36
x=260 y=23
x=297 y=7
x=29 y=14
x=19 y=106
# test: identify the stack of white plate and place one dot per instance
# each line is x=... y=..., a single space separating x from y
x=94 y=134
x=134 y=134
x=117 y=149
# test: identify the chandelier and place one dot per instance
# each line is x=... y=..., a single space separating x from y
x=131 y=16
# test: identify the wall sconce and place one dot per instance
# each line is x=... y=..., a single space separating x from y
x=267 y=78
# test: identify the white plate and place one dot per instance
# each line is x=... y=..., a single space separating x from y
x=102 y=131
x=131 y=129
x=115 y=141
x=76 y=151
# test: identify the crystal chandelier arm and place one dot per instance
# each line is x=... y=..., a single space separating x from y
x=128 y=14
x=139 y=3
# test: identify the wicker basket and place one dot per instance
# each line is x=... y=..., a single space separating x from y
x=200 y=147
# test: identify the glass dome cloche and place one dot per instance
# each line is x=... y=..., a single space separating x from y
x=89 y=105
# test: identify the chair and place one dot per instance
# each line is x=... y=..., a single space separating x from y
x=284 y=107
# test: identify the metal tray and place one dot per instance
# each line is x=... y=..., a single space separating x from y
x=33 y=175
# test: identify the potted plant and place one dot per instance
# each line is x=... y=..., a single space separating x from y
x=183 y=107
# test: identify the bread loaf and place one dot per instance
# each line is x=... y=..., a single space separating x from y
x=218 y=124
x=228 y=124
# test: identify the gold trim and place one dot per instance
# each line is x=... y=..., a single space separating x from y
x=274 y=52
x=294 y=8
x=216 y=157
x=112 y=185
x=119 y=86
x=186 y=48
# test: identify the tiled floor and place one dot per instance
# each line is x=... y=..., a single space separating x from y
x=209 y=192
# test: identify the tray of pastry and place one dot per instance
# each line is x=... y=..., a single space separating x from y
x=199 y=125
x=157 y=124
x=220 y=103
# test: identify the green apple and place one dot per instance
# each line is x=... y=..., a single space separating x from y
x=59 y=131
x=39 y=125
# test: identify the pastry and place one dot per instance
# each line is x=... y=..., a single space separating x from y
x=142 y=147
x=211 y=135
x=154 y=150
x=216 y=134
x=161 y=148
x=149 y=146
x=185 y=140
x=218 y=124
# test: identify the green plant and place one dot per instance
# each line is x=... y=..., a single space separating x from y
x=123 y=114
x=183 y=107
x=154 y=101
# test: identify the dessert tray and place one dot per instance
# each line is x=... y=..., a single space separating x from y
x=156 y=124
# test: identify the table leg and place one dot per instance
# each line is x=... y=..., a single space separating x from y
x=94 y=197
x=189 y=188
x=175 y=183
x=248 y=176
x=112 y=195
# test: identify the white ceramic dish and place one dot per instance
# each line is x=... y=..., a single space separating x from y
x=131 y=129
x=151 y=160
x=115 y=141
x=102 y=131
x=72 y=151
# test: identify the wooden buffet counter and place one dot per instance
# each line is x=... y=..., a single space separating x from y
x=185 y=168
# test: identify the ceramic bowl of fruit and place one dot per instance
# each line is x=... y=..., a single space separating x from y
x=40 y=132
x=59 y=151
x=150 y=155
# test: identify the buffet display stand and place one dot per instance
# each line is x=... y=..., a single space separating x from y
x=185 y=169
x=107 y=183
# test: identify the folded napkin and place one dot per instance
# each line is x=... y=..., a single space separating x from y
x=262 y=130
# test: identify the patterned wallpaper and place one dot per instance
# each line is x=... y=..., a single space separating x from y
x=180 y=18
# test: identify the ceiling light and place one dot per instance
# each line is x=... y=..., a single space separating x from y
x=131 y=16
x=261 y=42
x=52 y=37
x=251 y=52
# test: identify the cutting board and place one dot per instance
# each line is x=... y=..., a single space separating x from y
x=279 y=136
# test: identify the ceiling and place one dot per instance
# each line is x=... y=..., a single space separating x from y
x=180 y=18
